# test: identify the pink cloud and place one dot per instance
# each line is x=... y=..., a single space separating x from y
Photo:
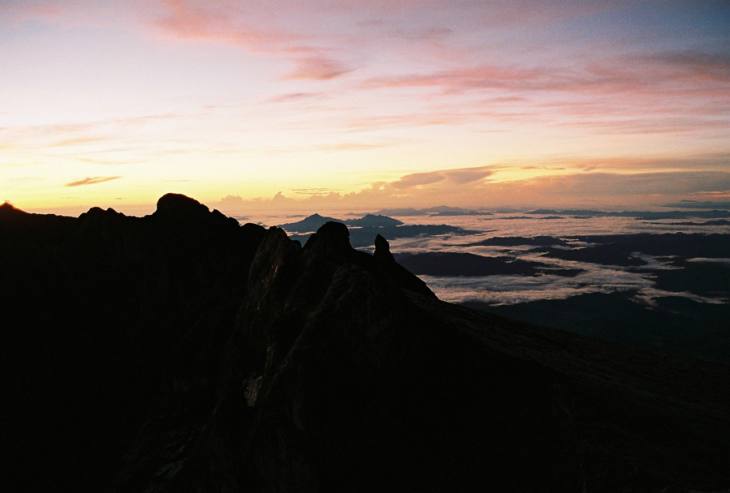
x=296 y=97
x=468 y=175
x=695 y=64
x=456 y=114
x=353 y=146
x=224 y=23
x=665 y=92
x=461 y=79
x=218 y=23
x=418 y=179
x=457 y=177
x=639 y=125
x=681 y=73
x=318 y=68
x=31 y=10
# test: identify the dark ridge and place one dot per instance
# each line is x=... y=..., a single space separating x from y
x=620 y=249
x=670 y=324
x=459 y=264
x=308 y=224
x=363 y=236
x=177 y=208
x=715 y=222
x=645 y=215
x=367 y=227
x=520 y=240
x=699 y=204
x=178 y=204
x=183 y=352
x=97 y=214
x=7 y=209
x=440 y=210
x=315 y=221
x=374 y=221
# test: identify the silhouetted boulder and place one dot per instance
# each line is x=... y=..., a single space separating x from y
x=331 y=240
x=173 y=208
x=176 y=204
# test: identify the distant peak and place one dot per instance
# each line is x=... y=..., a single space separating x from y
x=97 y=213
x=375 y=221
x=8 y=208
x=309 y=223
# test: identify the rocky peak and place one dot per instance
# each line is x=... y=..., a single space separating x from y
x=178 y=206
x=331 y=240
x=382 y=249
x=7 y=210
x=97 y=213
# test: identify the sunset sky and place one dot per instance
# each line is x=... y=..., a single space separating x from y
x=335 y=104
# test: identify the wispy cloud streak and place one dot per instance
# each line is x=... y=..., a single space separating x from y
x=91 y=180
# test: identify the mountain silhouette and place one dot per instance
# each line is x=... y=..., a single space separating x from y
x=315 y=221
x=368 y=227
x=181 y=351
x=375 y=221
x=463 y=264
x=309 y=223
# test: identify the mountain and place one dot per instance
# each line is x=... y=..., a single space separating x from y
x=644 y=215
x=308 y=224
x=374 y=221
x=315 y=221
x=460 y=264
x=439 y=210
x=183 y=352
x=671 y=324
x=368 y=226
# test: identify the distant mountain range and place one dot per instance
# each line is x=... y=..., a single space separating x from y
x=708 y=210
x=315 y=221
x=181 y=351
x=365 y=228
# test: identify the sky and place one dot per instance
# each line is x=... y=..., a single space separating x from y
x=344 y=104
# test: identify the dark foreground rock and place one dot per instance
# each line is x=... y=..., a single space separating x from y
x=183 y=352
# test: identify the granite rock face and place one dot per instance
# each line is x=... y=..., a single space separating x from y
x=183 y=352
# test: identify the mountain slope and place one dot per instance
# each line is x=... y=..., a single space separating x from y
x=182 y=352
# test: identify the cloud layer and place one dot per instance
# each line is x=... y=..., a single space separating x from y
x=478 y=187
